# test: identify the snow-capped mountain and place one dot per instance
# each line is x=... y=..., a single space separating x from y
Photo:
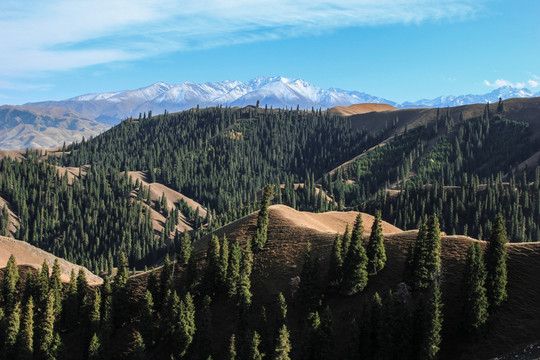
x=505 y=92
x=278 y=91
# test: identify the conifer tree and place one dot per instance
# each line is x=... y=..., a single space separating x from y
x=211 y=276
x=94 y=349
x=153 y=285
x=147 y=319
x=205 y=329
x=336 y=262
x=56 y=287
x=185 y=329
x=375 y=249
x=12 y=330
x=82 y=286
x=43 y=284
x=254 y=352
x=261 y=234
x=139 y=348
x=95 y=313
x=232 y=355
x=283 y=344
x=427 y=260
x=223 y=262
x=26 y=332
x=106 y=314
x=165 y=280
x=71 y=303
x=9 y=284
x=244 y=281
x=346 y=242
x=496 y=279
x=355 y=275
x=309 y=292
x=428 y=323
x=48 y=339
x=121 y=292
x=282 y=311
x=475 y=303
x=184 y=253
x=233 y=269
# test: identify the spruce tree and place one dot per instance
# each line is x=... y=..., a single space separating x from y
x=106 y=314
x=71 y=304
x=55 y=286
x=336 y=262
x=185 y=328
x=233 y=269
x=204 y=330
x=48 y=339
x=121 y=292
x=496 y=279
x=244 y=281
x=232 y=355
x=147 y=319
x=94 y=349
x=428 y=323
x=211 y=276
x=427 y=259
x=283 y=344
x=223 y=263
x=165 y=280
x=9 y=284
x=355 y=275
x=475 y=303
x=26 y=332
x=138 y=347
x=43 y=284
x=346 y=242
x=309 y=291
x=82 y=286
x=94 y=319
x=261 y=234
x=254 y=353
x=375 y=249
x=12 y=330
x=184 y=253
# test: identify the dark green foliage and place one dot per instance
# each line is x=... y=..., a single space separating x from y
x=9 y=283
x=48 y=340
x=496 y=264
x=204 y=329
x=185 y=249
x=233 y=268
x=475 y=302
x=346 y=242
x=106 y=313
x=355 y=275
x=426 y=262
x=283 y=344
x=211 y=276
x=375 y=249
x=165 y=281
x=428 y=323
x=244 y=281
x=26 y=332
x=335 y=269
x=147 y=319
x=223 y=263
x=254 y=353
x=139 y=348
x=55 y=285
x=261 y=233
x=309 y=290
x=121 y=293
x=94 y=349
x=43 y=284
x=70 y=308
x=82 y=286
x=318 y=342
x=183 y=321
x=94 y=319
x=281 y=311
x=12 y=330
x=4 y=221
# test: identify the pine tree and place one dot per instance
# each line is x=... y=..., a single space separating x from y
x=244 y=281
x=121 y=292
x=428 y=323
x=211 y=276
x=147 y=319
x=94 y=319
x=233 y=269
x=185 y=329
x=427 y=260
x=309 y=292
x=254 y=352
x=283 y=344
x=205 y=329
x=9 y=284
x=82 y=286
x=496 y=279
x=48 y=339
x=223 y=263
x=232 y=355
x=184 y=253
x=43 y=284
x=55 y=286
x=71 y=303
x=336 y=262
x=346 y=242
x=26 y=332
x=94 y=349
x=375 y=249
x=355 y=275
x=138 y=348
x=475 y=303
x=261 y=234
x=12 y=330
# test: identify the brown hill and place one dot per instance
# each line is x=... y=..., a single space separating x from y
x=31 y=256
x=515 y=324
x=360 y=109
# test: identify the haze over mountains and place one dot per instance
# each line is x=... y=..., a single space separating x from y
x=110 y=108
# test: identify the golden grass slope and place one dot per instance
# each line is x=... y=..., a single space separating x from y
x=29 y=255
x=360 y=109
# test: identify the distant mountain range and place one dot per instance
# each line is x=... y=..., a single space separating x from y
x=278 y=92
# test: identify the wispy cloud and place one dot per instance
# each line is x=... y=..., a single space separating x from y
x=519 y=85
x=66 y=34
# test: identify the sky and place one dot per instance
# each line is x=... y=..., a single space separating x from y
x=397 y=49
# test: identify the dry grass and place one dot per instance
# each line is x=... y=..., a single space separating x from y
x=360 y=109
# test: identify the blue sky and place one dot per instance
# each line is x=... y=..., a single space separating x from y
x=399 y=49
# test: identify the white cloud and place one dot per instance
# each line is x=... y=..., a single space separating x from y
x=519 y=85
x=65 y=34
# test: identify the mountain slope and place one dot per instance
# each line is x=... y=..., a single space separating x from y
x=40 y=127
